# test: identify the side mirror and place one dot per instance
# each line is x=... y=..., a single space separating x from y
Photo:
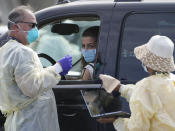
x=65 y=29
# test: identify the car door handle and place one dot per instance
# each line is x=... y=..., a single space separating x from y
x=69 y=115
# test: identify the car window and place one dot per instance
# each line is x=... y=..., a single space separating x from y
x=137 y=30
x=62 y=37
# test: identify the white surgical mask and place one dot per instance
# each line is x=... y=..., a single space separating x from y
x=144 y=68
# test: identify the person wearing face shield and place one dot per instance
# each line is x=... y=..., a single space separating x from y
x=151 y=99
x=26 y=96
x=89 y=45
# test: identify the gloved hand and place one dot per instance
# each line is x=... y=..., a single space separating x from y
x=109 y=82
x=66 y=64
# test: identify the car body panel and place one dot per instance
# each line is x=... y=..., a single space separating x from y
x=113 y=16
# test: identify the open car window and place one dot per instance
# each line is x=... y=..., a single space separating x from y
x=62 y=37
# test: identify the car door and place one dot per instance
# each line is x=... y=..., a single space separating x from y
x=60 y=29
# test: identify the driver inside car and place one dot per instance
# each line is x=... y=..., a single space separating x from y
x=89 y=45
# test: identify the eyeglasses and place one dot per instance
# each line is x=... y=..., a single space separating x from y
x=33 y=25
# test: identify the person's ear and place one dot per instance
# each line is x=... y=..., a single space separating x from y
x=16 y=27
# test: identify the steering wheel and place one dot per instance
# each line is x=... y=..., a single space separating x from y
x=51 y=60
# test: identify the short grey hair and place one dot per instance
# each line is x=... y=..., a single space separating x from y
x=17 y=15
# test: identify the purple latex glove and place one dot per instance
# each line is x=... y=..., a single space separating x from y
x=66 y=63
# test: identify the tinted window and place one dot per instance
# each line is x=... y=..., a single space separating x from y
x=137 y=30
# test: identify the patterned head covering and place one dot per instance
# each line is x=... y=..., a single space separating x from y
x=157 y=54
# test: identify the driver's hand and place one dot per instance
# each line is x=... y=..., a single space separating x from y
x=66 y=64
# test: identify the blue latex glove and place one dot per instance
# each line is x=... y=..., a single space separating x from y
x=66 y=63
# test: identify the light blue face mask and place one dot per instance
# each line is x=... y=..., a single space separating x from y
x=89 y=55
x=32 y=35
x=144 y=68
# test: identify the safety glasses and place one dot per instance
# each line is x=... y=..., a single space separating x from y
x=32 y=25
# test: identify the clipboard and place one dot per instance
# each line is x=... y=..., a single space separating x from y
x=101 y=104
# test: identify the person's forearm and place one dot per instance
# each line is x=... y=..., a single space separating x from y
x=57 y=67
x=126 y=91
x=119 y=124
x=33 y=82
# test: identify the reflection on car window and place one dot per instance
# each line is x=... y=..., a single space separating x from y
x=138 y=30
x=57 y=42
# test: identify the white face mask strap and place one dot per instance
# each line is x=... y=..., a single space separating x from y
x=11 y=21
x=144 y=67
x=17 y=25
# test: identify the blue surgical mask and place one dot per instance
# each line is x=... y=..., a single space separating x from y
x=144 y=68
x=89 y=55
x=32 y=35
